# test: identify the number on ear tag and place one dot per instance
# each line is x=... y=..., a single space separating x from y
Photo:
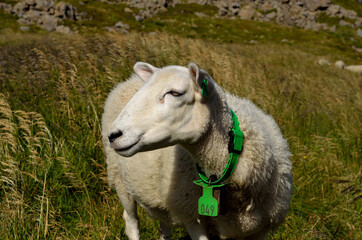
x=208 y=205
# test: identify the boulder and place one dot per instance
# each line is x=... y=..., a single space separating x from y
x=358 y=22
x=24 y=28
x=43 y=5
x=266 y=7
x=333 y=10
x=30 y=2
x=20 y=8
x=128 y=10
x=6 y=7
x=32 y=15
x=271 y=15
x=121 y=25
x=317 y=4
x=139 y=17
x=247 y=12
x=48 y=22
x=344 y=23
x=63 y=29
x=323 y=62
x=64 y=10
x=359 y=32
x=344 y=13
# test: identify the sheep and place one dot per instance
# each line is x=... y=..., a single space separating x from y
x=158 y=125
x=339 y=64
x=354 y=68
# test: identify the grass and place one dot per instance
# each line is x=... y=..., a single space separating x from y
x=182 y=21
x=53 y=182
x=53 y=179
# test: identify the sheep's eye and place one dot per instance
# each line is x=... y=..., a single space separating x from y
x=175 y=94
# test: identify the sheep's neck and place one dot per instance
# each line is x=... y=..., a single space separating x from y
x=211 y=151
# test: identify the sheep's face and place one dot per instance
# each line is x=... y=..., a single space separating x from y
x=169 y=109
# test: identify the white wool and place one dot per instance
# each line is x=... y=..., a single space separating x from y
x=161 y=180
x=354 y=68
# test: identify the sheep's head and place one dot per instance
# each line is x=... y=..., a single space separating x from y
x=170 y=108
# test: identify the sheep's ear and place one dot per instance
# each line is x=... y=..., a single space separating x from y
x=144 y=70
x=203 y=81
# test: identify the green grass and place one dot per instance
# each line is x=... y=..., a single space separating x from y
x=182 y=21
x=52 y=89
x=53 y=171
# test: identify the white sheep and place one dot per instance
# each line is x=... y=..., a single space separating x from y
x=354 y=68
x=158 y=125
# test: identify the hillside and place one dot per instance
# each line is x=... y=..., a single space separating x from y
x=53 y=181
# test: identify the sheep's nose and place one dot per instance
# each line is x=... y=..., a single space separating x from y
x=114 y=135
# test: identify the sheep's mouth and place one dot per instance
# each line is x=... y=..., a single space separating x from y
x=120 y=150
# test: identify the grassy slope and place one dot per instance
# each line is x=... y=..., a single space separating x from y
x=53 y=184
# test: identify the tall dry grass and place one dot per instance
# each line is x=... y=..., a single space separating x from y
x=53 y=178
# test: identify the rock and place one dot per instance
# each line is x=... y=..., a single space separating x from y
x=339 y=64
x=247 y=12
x=24 y=28
x=139 y=18
x=313 y=26
x=344 y=13
x=6 y=7
x=30 y=2
x=32 y=15
x=358 y=22
x=253 y=41
x=344 y=23
x=20 y=8
x=200 y=14
x=121 y=25
x=64 y=10
x=317 y=4
x=22 y=21
x=44 y=13
x=266 y=7
x=296 y=9
x=359 y=32
x=43 y=5
x=47 y=22
x=284 y=40
x=271 y=15
x=323 y=62
x=128 y=10
x=63 y=29
x=123 y=31
x=333 y=10
x=333 y=28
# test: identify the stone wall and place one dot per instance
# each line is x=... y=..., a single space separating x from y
x=45 y=13
x=301 y=13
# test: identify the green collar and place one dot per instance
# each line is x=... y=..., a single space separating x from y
x=235 y=148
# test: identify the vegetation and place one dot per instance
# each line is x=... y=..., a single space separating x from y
x=53 y=180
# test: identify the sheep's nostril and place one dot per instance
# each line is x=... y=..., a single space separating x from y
x=114 y=135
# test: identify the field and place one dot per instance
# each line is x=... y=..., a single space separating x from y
x=53 y=180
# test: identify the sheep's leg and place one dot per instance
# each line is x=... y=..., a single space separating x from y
x=165 y=231
x=129 y=213
x=197 y=231
x=131 y=218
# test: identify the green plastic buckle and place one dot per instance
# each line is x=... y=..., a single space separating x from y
x=207 y=205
